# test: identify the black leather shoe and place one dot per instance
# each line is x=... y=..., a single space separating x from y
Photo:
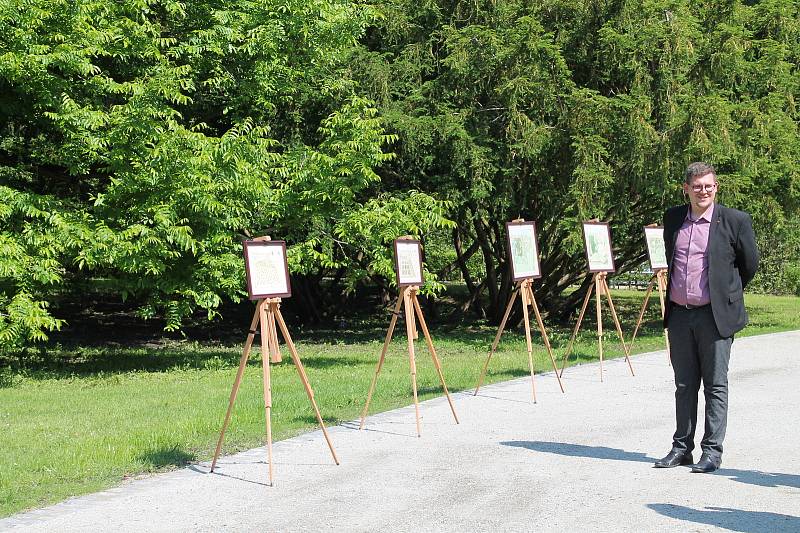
x=706 y=464
x=674 y=459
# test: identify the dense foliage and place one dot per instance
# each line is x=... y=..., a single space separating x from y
x=560 y=111
x=141 y=141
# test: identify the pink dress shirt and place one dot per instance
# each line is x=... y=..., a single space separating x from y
x=689 y=279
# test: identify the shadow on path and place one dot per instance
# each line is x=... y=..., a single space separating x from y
x=356 y=426
x=580 y=450
x=237 y=478
x=731 y=519
x=482 y=395
x=751 y=477
x=762 y=479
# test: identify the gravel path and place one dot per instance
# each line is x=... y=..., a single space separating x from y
x=573 y=462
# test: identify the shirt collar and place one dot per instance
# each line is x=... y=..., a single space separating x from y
x=707 y=215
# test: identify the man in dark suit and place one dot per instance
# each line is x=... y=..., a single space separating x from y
x=712 y=256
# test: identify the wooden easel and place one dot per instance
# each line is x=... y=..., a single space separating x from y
x=266 y=314
x=600 y=286
x=660 y=279
x=524 y=287
x=408 y=300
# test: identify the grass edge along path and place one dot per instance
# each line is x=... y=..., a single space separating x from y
x=98 y=416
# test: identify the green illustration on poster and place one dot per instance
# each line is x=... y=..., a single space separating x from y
x=409 y=263
x=267 y=269
x=656 y=248
x=598 y=247
x=524 y=253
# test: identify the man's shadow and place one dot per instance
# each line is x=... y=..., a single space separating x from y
x=751 y=477
x=762 y=479
x=731 y=519
x=580 y=450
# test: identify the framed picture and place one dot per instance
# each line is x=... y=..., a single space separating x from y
x=656 y=251
x=266 y=269
x=408 y=262
x=597 y=237
x=523 y=250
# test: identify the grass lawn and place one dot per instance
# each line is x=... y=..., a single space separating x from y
x=85 y=419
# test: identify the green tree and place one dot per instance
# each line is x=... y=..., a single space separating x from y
x=141 y=141
x=561 y=112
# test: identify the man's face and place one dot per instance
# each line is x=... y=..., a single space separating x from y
x=701 y=192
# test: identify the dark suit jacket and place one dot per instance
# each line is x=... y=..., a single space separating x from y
x=732 y=262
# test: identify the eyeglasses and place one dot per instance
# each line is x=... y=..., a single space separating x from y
x=701 y=188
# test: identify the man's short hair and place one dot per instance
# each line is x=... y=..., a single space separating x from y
x=698 y=169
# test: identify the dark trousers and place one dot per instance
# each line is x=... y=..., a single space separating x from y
x=698 y=352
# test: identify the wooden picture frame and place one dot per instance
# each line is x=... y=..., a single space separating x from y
x=597 y=244
x=408 y=262
x=656 y=249
x=266 y=269
x=523 y=250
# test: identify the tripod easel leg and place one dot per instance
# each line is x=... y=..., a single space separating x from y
x=266 y=315
x=625 y=349
x=303 y=377
x=389 y=333
x=577 y=326
x=641 y=312
x=496 y=339
x=411 y=358
x=544 y=336
x=526 y=317
x=414 y=326
x=275 y=353
x=436 y=362
x=598 y=291
x=242 y=365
